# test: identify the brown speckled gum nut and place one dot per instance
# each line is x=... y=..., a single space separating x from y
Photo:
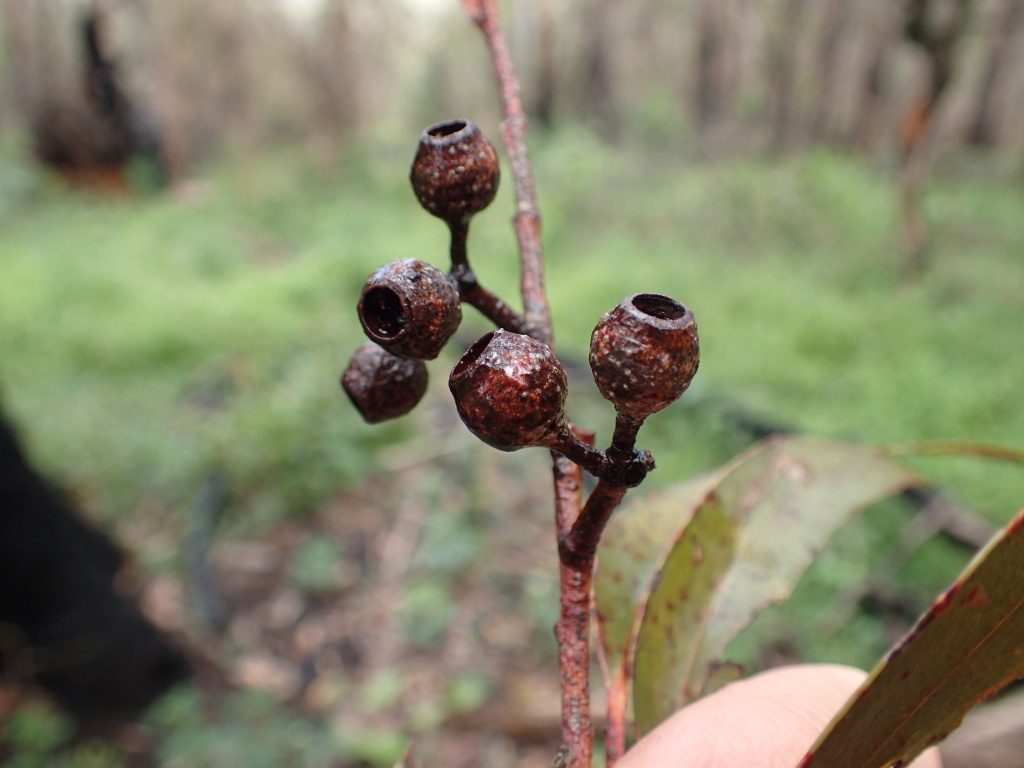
x=383 y=386
x=455 y=173
x=510 y=391
x=644 y=353
x=410 y=308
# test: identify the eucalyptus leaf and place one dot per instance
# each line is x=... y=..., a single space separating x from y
x=680 y=599
x=783 y=500
x=965 y=648
x=793 y=497
x=631 y=550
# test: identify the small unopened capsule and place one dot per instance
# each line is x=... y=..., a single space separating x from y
x=381 y=385
x=510 y=391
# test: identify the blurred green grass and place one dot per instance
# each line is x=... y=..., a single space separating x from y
x=148 y=342
x=145 y=342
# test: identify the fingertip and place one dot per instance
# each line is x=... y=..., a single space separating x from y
x=769 y=720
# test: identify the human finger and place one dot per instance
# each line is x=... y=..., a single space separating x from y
x=769 y=720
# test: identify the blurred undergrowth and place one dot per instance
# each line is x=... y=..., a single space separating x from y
x=146 y=343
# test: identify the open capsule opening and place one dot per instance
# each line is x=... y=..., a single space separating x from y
x=446 y=128
x=383 y=313
x=659 y=306
x=468 y=360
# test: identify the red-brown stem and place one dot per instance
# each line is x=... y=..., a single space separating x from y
x=626 y=429
x=579 y=546
x=573 y=628
x=474 y=294
x=460 y=233
x=623 y=440
x=573 y=633
x=578 y=531
x=513 y=133
x=568 y=490
x=615 y=728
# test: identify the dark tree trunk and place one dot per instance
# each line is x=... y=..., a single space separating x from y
x=547 y=68
x=833 y=26
x=89 y=137
x=984 y=129
x=597 y=78
x=784 y=75
x=707 y=95
x=60 y=612
x=938 y=41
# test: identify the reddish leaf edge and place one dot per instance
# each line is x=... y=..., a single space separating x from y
x=617 y=663
x=882 y=676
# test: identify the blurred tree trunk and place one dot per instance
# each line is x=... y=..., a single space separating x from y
x=718 y=77
x=599 y=105
x=231 y=34
x=783 y=74
x=833 y=27
x=867 y=127
x=43 y=63
x=21 y=63
x=547 y=68
x=708 y=93
x=331 y=70
x=169 y=18
x=865 y=124
x=936 y=31
x=984 y=129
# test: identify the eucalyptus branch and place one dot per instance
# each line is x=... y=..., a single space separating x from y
x=474 y=294
x=573 y=627
x=509 y=387
x=513 y=133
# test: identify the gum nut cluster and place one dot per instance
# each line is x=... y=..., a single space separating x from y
x=410 y=308
x=510 y=391
x=381 y=385
x=455 y=173
x=644 y=353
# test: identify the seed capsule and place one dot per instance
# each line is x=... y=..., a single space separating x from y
x=410 y=308
x=644 y=353
x=510 y=391
x=381 y=385
x=455 y=173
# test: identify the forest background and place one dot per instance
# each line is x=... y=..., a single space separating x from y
x=751 y=157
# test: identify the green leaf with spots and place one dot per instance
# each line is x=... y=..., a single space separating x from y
x=694 y=568
x=768 y=515
x=632 y=547
x=792 y=497
x=631 y=550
